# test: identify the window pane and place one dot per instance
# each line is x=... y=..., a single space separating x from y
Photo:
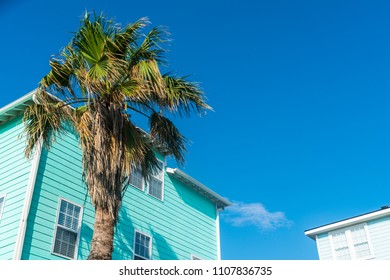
x=69 y=215
x=360 y=242
x=136 y=178
x=65 y=242
x=155 y=187
x=341 y=246
x=141 y=246
x=159 y=173
x=67 y=229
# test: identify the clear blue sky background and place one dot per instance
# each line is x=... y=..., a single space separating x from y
x=300 y=133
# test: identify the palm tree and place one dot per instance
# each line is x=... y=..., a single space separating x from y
x=102 y=78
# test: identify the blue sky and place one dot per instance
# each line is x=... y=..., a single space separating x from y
x=299 y=136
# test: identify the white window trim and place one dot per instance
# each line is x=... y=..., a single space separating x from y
x=150 y=245
x=142 y=182
x=78 y=229
x=162 y=185
x=2 y=207
x=351 y=246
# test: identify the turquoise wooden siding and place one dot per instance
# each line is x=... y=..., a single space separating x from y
x=379 y=232
x=14 y=176
x=324 y=247
x=59 y=175
x=180 y=225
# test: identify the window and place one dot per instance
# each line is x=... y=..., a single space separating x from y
x=360 y=242
x=2 y=200
x=351 y=243
x=156 y=182
x=136 y=179
x=341 y=248
x=142 y=246
x=67 y=230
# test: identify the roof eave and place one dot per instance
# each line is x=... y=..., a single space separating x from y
x=312 y=233
x=188 y=180
x=16 y=108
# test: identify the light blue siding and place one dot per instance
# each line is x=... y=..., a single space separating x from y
x=324 y=247
x=59 y=176
x=14 y=176
x=379 y=233
x=180 y=225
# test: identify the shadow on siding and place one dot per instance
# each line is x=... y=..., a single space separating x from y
x=161 y=247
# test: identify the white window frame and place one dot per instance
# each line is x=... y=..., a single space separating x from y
x=351 y=247
x=150 y=245
x=162 y=182
x=142 y=182
x=60 y=199
x=2 y=206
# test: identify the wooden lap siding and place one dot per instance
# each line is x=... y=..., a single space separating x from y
x=180 y=225
x=59 y=175
x=324 y=247
x=379 y=231
x=14 y=176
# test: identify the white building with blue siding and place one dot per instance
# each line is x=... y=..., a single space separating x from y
x=364 y=237
x=46 y=212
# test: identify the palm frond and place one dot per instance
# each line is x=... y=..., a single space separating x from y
x=100 y=69
x=148 y=75
x=150 y=48
x=124 y=41
x=90 y=40
x=183 y=96
x=138 y=147
x=139 y=151
x=59 y=75
x=46 y=119
x=166 y=134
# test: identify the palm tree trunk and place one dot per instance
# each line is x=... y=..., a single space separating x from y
x=103 y=235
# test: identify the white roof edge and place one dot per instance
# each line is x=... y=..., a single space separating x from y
x=222 y=202
x=17 y=102
x=24 y=98
x=347 y=222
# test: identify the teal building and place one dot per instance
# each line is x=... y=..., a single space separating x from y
x=46 y=213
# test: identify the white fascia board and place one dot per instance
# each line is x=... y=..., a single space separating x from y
x=186 y=179
x=23 y=102
x=17 y=102
x=312 y=233
x=15 y=108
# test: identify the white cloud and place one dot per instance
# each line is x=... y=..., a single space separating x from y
x=254 y=214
